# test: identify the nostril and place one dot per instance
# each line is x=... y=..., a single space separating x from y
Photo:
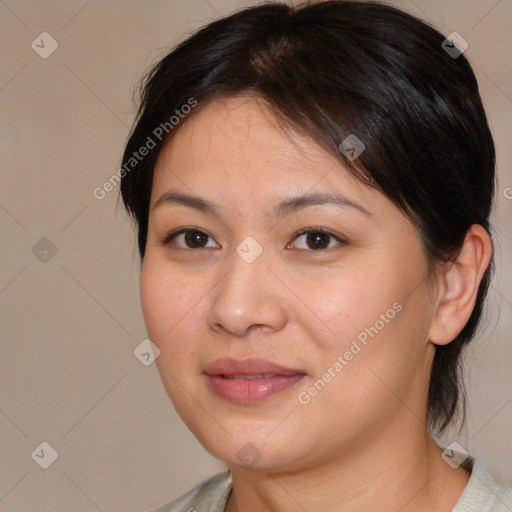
x=217 y=327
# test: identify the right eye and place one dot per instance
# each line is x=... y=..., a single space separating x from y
x=192 y=238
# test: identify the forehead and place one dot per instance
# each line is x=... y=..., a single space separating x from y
x=238 y=144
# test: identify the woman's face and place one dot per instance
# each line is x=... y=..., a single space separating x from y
x=281 y=350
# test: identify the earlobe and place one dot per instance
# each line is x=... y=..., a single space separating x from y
x=458 y=286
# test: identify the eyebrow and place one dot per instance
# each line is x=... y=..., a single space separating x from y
x=280 y=210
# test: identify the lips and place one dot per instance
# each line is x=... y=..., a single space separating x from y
x=250 y=380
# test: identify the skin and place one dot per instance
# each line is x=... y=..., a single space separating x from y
x=361 y=443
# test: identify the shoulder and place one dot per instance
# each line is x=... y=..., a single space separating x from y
x=208 y=496
x=483 y=493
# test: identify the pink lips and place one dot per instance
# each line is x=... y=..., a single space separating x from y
x=250 y=380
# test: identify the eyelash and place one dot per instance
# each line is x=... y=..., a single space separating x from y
x=166 y=241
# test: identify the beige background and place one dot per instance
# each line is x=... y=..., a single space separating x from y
x=70 y=324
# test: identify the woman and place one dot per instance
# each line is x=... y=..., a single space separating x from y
x=312 y=189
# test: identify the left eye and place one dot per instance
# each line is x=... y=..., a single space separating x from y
x=317 y=239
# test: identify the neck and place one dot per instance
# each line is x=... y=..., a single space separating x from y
x=398 y=472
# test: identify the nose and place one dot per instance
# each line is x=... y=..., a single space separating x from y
x=248 y=297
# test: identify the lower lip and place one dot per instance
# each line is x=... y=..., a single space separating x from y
x=248 y=391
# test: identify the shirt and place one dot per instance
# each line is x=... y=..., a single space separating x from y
x=482 y=494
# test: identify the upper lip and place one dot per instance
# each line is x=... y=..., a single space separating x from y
x=254 y=366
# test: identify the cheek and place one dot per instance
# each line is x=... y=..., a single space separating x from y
x=343 y=306
x=168 y=305
x=168 y=309
x=374 y=318
x=155 y=301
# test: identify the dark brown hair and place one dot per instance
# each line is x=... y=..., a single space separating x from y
x=331 y=69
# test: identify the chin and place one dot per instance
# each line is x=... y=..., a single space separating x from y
x=248 y=448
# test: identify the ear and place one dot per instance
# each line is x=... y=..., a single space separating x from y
x=458 y=286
